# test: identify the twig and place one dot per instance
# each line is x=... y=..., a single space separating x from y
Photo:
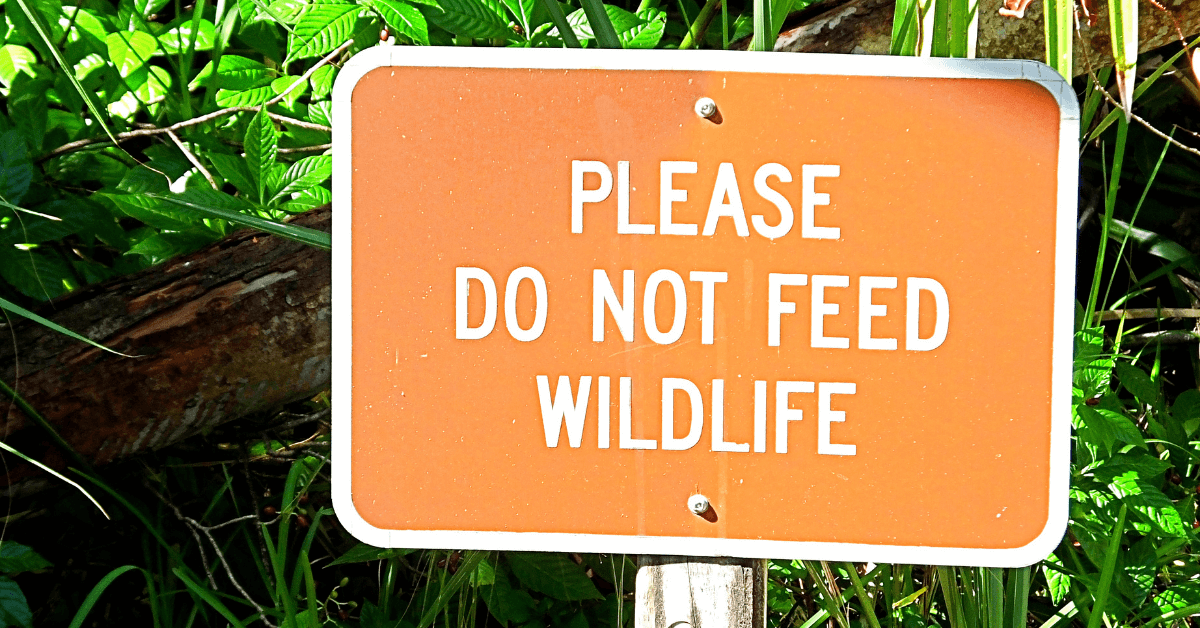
x=192 y=158
x=121 y=137
x=304 y=149
x=1166 y=312
x=300 y=123
x=195 y=526
x=1170 y=337
x=319 y=415
x=1143 y=122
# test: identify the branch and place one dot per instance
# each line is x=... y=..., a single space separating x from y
x=145 y=132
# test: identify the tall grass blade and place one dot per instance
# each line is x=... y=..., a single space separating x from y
x=560 y=21
x=833 y=605
x=304 y=235
x=868 y=605
x=1107 y=571
x=102 y=586
x=993 y=589
x=1017 y=605
x=20 y=311
x=56 y=474
x=1123 y=27
x=1141 y=88
x=1060 y=22
x=700 y=25
x=939 y=41
x=950 y=592
x=465 y=568
x=204 y=594
x=606 y=35
x=960 y=27
x=905 y=26
x=762 y=40
x=1110 y=202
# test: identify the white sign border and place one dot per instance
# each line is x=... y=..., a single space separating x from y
x=714 y=61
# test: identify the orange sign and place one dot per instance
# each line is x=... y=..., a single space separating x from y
x=763 y=305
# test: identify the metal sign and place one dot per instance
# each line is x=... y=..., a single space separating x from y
x=704 y=303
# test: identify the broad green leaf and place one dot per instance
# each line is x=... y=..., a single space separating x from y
x=1105 y=428
x=554 y=575
x=27 y=106
x=233 y=169
x=1093 y=367
x=1149 y=502
x=304 y=174
x=1138 y=567
x=47 y=11
x=35 y=273
x=14 y=609
x=16 y=172
x=322 y=81
x=1136 y=381
x=633 y=31
x=16 y=558
x=309 y=199
x=403 y=18
x=261 y=143
x=130 y=50
x=471 y=18
x=509 y=605
x=285 y=11
x=167 y=244
x=88 y=64
x=321 y=113
x=146 y=8
x=1187 y=409
x=1177 y=597
x=15 y=60
x=156 y=87
x=180 y=38
x=153 y=212
x=247 y=98
x=523 y=10
x=283 y=83
x=86 y=26
x=237 y=73
x=363 y=553
x=321 y=29
x=1058 y=583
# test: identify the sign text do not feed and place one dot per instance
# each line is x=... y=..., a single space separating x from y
x=708 y=303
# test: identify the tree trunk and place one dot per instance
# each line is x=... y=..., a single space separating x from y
x=239 y=327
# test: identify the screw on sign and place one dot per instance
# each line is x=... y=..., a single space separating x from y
x=682 y=311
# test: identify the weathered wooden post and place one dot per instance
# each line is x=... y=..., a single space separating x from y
x=677 y=591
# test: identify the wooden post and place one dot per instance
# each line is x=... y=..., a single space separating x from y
x=681 y=591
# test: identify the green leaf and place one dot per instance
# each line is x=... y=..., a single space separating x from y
x=16 y=173
x=130 y=50
x=151 y=211
x=236 y=74
x=1177 y=597
x=156 y=87
x=523 y=10
x=180 y=38
x=363 y=553
x=247 y=98
x=403 y=18
x=16 y=558
x=14 y=609
x=1149 y=502
x=554 y=575
x=472 y=18
x=321 y=29
x=15 y=60
x=1105 y=428
x=505 y=602
x=98 y=590
x=146 y=8
x=1058 y=583
x=283 y=83
x=1093 y=367
x=36 y=274
x=632 y=31
x=304 y=174
x=163 y=246
x=1139 y=566
x=261 y=143
x=233 y=169
x=1136 y=381
x=309 y=199
x=1187 y=409
x=322 y=81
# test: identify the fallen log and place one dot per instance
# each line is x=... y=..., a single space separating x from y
x=239 y=327
x=865 y=27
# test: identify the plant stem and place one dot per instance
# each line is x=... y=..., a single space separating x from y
x=868 y=605
x=700 y=25
x=1109 y=205
x=1107 y=571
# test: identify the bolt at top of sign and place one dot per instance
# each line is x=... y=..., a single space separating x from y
x=706 y=107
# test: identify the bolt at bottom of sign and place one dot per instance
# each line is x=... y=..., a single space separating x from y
x=698 y=504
